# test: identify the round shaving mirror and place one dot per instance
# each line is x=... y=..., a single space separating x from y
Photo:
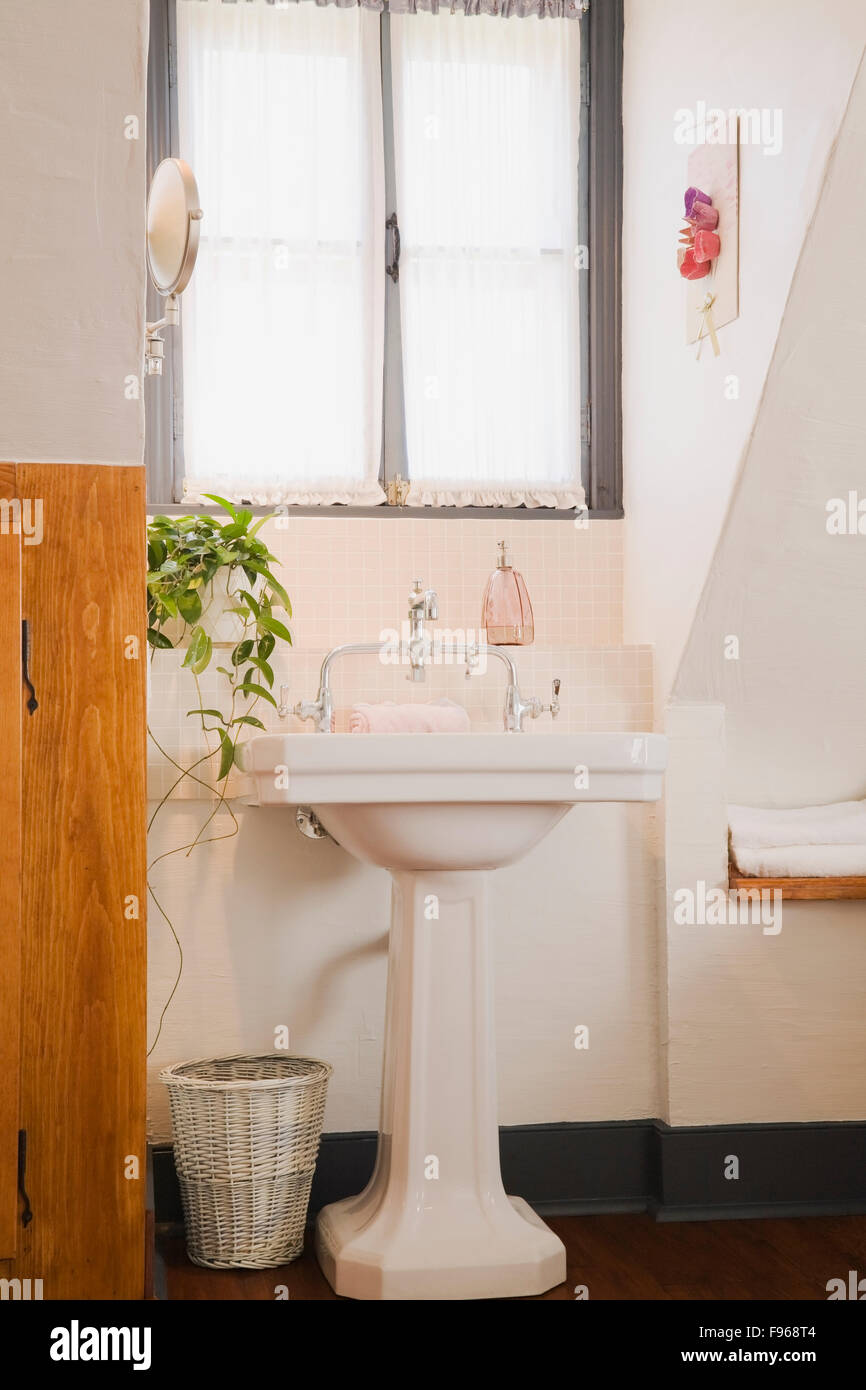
x=173 y=215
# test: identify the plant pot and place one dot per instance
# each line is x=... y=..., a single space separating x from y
x=223 y=626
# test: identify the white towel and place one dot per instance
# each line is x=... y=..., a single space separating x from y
x=439 y=717
x=805 y=842
x=802 y=861
x=842 y=823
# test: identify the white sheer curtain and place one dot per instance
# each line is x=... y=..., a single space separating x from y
x=280 y=116
x=486 y=118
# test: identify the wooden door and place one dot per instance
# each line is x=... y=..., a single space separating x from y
x=83 y=883
x=10 y=842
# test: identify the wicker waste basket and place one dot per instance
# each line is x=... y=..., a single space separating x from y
x=246 y=1137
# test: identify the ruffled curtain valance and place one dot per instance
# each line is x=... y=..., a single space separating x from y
x=507 y=9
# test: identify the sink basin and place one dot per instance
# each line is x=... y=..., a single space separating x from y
x=450 y=801
x=439 y=811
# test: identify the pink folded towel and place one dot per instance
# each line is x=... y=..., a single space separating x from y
x=442 y=717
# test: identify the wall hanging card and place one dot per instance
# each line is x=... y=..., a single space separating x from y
x=709 y=255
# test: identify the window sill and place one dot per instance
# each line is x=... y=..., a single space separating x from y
x=431 y=513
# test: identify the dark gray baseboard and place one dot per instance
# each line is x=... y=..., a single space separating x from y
x=630 y=1165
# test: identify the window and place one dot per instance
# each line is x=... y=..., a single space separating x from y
x=486 y=129
x=280 y=116
x=323 y=354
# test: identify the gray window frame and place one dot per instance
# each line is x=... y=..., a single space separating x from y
x=599 y=229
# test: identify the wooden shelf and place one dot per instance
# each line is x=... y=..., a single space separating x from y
x=804 y=889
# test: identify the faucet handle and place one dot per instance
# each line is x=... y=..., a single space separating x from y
x=424 y=601
x=536 y=708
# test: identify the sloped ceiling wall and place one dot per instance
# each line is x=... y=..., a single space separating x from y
x=787 y=589
x=684 y=435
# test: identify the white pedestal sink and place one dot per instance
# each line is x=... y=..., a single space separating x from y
x=439 y=811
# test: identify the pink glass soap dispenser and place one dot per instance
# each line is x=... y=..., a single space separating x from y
x=506 y=613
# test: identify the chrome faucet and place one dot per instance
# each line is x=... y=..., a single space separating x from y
x=423 y=607
x=516 y=708
x=322 y=708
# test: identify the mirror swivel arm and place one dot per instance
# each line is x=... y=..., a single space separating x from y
x=154 y=351
x=171 y=319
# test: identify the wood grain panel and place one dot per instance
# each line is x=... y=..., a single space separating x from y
x=83 y=964
x=10 y=869
x=837 y=889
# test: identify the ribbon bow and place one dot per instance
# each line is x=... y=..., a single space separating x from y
x=708 y=327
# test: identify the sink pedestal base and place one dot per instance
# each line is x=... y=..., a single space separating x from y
x=434 y=1221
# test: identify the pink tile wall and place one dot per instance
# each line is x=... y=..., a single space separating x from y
x=349 y=578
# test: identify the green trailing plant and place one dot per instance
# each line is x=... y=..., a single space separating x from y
x=186 y=557
x=194 y=562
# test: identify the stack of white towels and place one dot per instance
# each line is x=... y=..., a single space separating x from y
x=809 y=842
x=437 y=717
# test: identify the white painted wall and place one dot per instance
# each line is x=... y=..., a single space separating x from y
x=757 y=1027
x=771 y=1026
x=793 y=595
x=683 y=440
x=72 y=276
x=277 y=930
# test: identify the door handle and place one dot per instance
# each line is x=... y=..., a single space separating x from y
x=27 y=1213
x=394 y=268
x=32 y=703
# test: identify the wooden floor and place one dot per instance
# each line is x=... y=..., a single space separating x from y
x=615 y=1257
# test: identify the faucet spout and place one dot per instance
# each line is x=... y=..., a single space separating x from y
x=423 y=608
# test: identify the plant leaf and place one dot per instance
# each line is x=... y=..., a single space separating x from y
x=227 y=755
x=280 y=592
x=242 y=652
x=260 y=663
x=249 y=719
x=189 y=605
x=156 y=551
x=274 y=626
x=201 y=663
x=251 y=688
x=215 y=713
x=221 y=502
x=196 y=646
x=254 y=530
x=157 y=638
